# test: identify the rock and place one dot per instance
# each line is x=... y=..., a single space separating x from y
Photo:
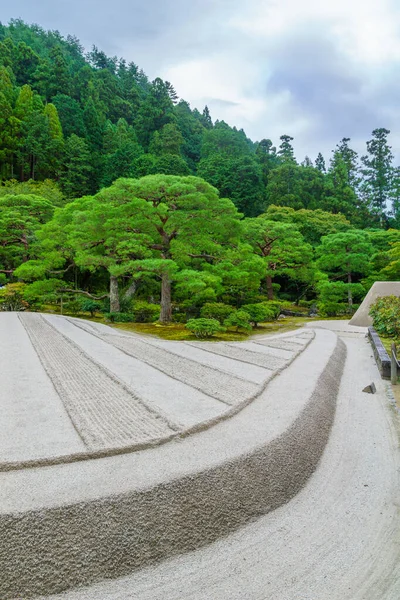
x=370 y=389
x=281 y=317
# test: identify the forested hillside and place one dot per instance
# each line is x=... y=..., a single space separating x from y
x=72 y=123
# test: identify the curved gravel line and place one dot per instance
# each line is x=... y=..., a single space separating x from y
x=127 y=448
x=281 y=345
x=225 y=387
x=241 y=354
x=102 y=409
x=338 y=539
x=115 y=535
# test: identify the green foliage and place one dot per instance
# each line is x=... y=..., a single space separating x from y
x=216 y=310
x=124 y=149
x=282 y=248
x=258 y=313
x=333 y=297
x=385 y=313
x=12 y=297
x=119 y=317
x=42 y=291
x=239 y=319
x=46 y=189
x=144 y=312
x=204 y=328
x=89 y=305
x=346 y=255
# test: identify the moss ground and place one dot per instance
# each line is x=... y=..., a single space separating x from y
x=178 y=331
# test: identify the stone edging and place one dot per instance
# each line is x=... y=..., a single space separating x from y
x=50 y=550
x=381 y=356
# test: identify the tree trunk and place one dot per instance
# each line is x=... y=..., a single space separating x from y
x=270 y=289
x=131 y=291
x=114 y=296
x=349 y=294
x=166 y=308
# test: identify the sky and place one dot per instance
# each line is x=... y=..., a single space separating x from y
x=318 y=70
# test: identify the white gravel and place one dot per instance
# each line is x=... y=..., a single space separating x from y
x=105 y=413
x=203 y=356
x=72 y=386
x=33 y=420
x=183 y=404
x=339 y=539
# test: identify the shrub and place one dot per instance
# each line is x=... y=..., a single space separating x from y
x=261 y=312
x=12 y=297
x=385 y=313
x=239 y=319
x=204 y=328
x=73 y=306
x=41 y=292
x=333 y=297
x=91 y=306
x=119 y=317
x=216 y=310
x=145 y=312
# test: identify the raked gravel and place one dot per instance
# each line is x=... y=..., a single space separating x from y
x=103 y=411
x=338 y=539
x=211 y=381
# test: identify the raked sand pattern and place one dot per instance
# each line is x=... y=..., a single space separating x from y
x=295 y=496
x=121 y=392
x=102 y=409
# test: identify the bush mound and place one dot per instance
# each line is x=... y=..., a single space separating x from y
x=145 y=312
x=239 y=319
x=385 y=313
x=204 y=328
x=216 y=310
x=262 y=312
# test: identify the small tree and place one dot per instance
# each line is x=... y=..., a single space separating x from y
x=12 y=297
x=260 y=312
x=239 y=319
x=204 y=328
x=88 y=305
x=216 y=310
x=344 y=255
x=281 y=246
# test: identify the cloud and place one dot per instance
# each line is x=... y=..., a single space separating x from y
x=315 y=70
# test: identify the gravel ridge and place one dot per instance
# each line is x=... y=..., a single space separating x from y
x=102 y=409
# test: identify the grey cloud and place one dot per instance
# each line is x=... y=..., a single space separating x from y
x=329 y=91
x=218 y=102
x=154 y=32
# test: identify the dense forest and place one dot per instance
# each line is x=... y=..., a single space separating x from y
x=115 y=190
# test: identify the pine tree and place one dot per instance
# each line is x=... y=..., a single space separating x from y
x=320 y=163
x=286 y=151
x=378 y=171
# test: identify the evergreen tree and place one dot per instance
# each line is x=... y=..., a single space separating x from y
x=345 y=255
x=70 y=114
x=206 y=118
x=286 y=152
x=350 y=159
x=320 y=163
x=155 y=112
x=307 y=162
x=76 y=170
x=267 y=157
x=377 y=171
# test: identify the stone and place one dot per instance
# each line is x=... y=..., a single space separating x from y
x=370 y=389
